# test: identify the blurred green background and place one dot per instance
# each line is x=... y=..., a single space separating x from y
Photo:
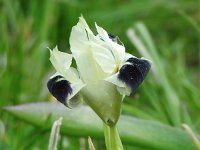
x=171 y=95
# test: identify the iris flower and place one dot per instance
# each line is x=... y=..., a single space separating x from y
x=105 y=73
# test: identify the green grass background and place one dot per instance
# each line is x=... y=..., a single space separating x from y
x=28 y=27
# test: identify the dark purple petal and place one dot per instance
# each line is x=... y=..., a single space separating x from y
x=59 y=88
x=134 y=72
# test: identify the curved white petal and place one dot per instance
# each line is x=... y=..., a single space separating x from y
x=121 y=87
x=83 y=24
x=117 y=49
x=102 y=33
x=80 y=43
x=104 y=57
x=88 y=67
x=80 y=34
x=61 y=62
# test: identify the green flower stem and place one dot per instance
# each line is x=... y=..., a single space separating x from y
x=112 y=139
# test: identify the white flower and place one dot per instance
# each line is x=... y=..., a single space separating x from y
x=105 y=72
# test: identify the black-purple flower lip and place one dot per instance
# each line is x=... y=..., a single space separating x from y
x=59 y=88
x=134 y=72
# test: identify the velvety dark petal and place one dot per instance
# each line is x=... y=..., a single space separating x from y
x=59 y=88
x=142 y=65
x=134 y=73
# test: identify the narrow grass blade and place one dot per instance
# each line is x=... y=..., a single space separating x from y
x=91 y=145
x=55 y=134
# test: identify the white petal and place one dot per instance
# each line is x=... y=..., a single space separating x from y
x=83 y=51
x=104 y=58
x=89 y=69
x=72 y=75
x=96 y=56
x=102 y=33
x=84 y=24
x=80 y=34
x=121 y=87
x=61 y=62
x=117 y=50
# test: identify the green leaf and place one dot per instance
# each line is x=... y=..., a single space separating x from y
x=83 y=121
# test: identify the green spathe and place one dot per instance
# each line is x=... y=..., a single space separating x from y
x=104 y=99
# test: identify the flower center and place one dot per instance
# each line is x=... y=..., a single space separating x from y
x=116 y=69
